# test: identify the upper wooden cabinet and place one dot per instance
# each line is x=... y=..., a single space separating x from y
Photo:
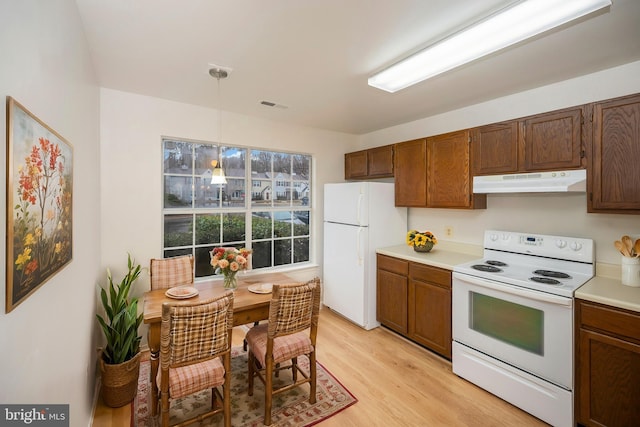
x=435 y=173
x=411 y=173
x=355 y=165
x=367 y=164
x=544 y=142
x=553 y=141
x=449 y=172
x=495 y=148
x=614 y=161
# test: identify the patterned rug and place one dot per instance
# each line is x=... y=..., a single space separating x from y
x=290 y=409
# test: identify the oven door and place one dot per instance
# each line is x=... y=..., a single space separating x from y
x=530 y=330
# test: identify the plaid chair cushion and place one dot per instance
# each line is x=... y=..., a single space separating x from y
x=190 y=379
x=295 y=309
x=198 y=332
x=169 y=272
x=284 y=348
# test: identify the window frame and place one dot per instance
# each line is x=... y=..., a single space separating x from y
x=194 y=213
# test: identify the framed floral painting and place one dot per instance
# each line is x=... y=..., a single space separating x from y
x=39 y=203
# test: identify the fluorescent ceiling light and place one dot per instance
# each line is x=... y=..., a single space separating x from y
x=515 y=24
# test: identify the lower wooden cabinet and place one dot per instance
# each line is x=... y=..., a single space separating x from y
x=415 y=300
x=607 y=376
x=392 y=292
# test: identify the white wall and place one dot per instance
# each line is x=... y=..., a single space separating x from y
x=47 y=343
x=131 y=155
x=563 y=214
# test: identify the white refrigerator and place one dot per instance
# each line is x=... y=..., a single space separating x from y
x=359 y=217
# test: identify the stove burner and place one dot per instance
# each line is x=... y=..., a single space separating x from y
x=487 y=268
x=545 y=280
x=496 y=263
x=550 y=273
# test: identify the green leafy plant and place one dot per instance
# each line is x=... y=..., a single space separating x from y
x=121 y=325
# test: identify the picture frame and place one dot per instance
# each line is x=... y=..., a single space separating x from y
x=39 y=203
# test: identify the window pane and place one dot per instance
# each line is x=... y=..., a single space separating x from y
x=261 y=256
x=282 y=187
x=282 y=164
x=178 y=157
x=261 y=225
x=178 y=230
x=208 y=228
x=282 y=252
x=282 y=223
x=176 y=252
x=261 y=191
x=202 y=260
x=261 y=163
x=233 y=227
x=233 y=161
x=302 y=166
x=204 y=155
x=301 y=223
x=207 y=195
x=233 y=193
x=177 y=192
x=301 y=192
x=301 y=250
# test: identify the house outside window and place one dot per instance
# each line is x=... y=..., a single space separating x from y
x=198 y=216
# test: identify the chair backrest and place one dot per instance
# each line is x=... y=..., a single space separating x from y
x=169 y=272
x=195 y=332
x=294 y=307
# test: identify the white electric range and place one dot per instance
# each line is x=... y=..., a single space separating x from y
x=513 y=319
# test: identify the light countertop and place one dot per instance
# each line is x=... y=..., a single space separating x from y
x=442 y=256
x=601 y=289
x=610 y=292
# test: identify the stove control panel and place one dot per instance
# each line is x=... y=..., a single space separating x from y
x=561 y=247
x=531 y=240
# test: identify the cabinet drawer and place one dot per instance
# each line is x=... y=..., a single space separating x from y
x=610 y=319
x=393 y=265
x=430 y=274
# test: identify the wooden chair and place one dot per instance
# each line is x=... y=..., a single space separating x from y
x=195 y=354
x=169 y=272
x=290 y=333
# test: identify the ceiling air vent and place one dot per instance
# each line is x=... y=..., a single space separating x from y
x=273 y=104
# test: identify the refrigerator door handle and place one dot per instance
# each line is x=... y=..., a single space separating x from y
x=359 y=248
x=359 y=211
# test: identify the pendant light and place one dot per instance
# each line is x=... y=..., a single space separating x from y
x=217 y=174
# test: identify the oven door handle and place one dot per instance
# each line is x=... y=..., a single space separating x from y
x=508 y=289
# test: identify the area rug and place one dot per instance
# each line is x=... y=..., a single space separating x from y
x=290 y=409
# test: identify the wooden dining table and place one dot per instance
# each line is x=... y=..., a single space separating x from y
x=248 y=307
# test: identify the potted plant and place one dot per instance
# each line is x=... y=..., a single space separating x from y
x=120 y=361
x=422 y=241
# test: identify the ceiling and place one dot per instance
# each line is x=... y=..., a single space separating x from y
x=314 y=56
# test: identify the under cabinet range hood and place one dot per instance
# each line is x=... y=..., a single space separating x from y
x=537 y=182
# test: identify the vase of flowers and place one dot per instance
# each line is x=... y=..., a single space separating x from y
x=229 y=261
x=422 y=241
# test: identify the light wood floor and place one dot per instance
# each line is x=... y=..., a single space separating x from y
x=397 y=383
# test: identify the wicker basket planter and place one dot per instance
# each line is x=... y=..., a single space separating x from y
x=119 y=382
x=426 y=248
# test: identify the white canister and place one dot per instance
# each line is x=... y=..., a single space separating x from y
x=631 y=271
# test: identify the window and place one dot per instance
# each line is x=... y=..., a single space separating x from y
x=198 y=216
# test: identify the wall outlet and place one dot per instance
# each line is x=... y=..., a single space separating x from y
x=448 y=231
